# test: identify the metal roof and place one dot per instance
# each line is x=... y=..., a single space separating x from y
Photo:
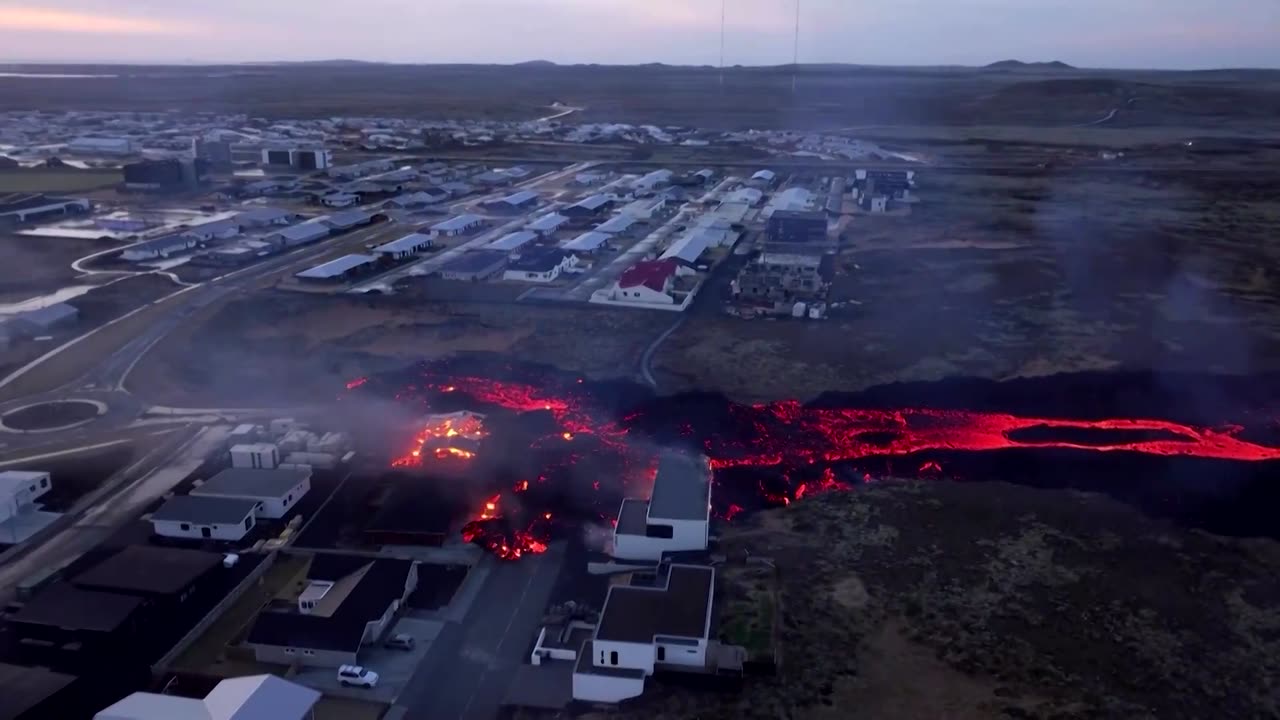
x=263 y=215
x=260 y=697
x=764 y=175
x=688 y=248
x=587 y=241
x=512 y=241
x=303 y=232
x=520 y=198
x=408 y=243
x=258 y=483
x=460 y=222
x=621 y=223
x=205 y=510
x=349 y=218
x=595 y=202
x=337 y=267
x=148 y=569
x=547 y=222
x=678 y=604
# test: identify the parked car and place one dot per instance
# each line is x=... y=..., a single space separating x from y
x=400 y=641
x=349 y=675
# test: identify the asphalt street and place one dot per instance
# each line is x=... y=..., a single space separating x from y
x=471 y=663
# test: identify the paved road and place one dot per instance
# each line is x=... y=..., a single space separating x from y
x=471 y=663
x=106 y=381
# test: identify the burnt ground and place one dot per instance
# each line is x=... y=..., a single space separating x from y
x=987 y=600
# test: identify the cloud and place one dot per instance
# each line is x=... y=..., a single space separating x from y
x=41 y=19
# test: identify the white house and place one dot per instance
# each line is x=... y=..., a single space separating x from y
x=256 y=697
x=547 y=224
x=659 y=622
x=459 y=225
x=19 y=490
x=20 y=514
x=407 y=246
x=675 y=518
x=205 y=518
x=275 y=491
x=648 y=282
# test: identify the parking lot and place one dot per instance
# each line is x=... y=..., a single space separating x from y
x=394 y=667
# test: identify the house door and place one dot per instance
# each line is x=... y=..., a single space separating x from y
x=206 y=532
x=662 y=653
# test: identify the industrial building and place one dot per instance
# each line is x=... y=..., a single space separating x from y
x=688 y=248
x=675 y=518
x=339 y=269
x=540 y=265
x=348 y=602
x=205 y=518
x=407 y=246
x=275 y=490
x=781 y=277
x=475 y=265
x=19 y=208
x=171 y=175
x=256 y=697
x=454 y=226
x=161 y=247
x=298 y=158
x=215 y=152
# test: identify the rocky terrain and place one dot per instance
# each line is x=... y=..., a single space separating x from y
x=986 y=600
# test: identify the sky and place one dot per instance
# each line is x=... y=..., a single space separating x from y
x=1175 y=34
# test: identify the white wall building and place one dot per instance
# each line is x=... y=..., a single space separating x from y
x=257 y=455
x=102 y=146
x=675 y=518
x=205 y=518
x=660 y=622
x=275 y=491
x=19 y=491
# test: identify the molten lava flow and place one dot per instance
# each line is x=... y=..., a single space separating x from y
x=778 y=452
x=493 y=531
x=443 y=437
x=357 y=383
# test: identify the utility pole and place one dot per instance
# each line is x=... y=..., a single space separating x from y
x=795 y=61
x=723 y=6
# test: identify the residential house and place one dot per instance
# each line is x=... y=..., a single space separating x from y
x=300 y=234
x=348 y=602
x=475 y=265
x=648 y=281
x=540 y=266
x=256 y=697
x=459 y=225
x=205 y=518
x=80 y=624
x=276 y=491
x=405 y=247
x=266 y=217
x=547 y=224
x=165 y=578
x=20 y=513
x=675 y=518
x=161 y=247
x=216 y=230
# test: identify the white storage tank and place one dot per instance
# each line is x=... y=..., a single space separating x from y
x=263 y=456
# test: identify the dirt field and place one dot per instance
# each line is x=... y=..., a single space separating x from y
x=45 y=263
x=982 y=600
x=289 y=348
x=997 y=277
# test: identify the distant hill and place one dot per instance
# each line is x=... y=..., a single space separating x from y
x=535 y=63
x=1020 y=65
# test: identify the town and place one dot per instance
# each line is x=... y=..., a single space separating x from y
x=224 y=570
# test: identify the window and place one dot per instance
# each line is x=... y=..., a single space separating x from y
x=248 y=523
x=308 y=652
x=662 y=653
x=659 y=531
x=44 y=482
x=185 y=527
x=613 y=657
x=288 y=651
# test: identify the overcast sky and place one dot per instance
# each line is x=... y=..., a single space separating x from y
x=1092 y=33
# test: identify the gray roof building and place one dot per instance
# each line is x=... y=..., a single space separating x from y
x=205 y=510
x=455 y=224
x=513 y=241
x=47 y=316
x=251 y=482
x=300 y=234
x=338 y=267
x=682 y=488
x=588 y=241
